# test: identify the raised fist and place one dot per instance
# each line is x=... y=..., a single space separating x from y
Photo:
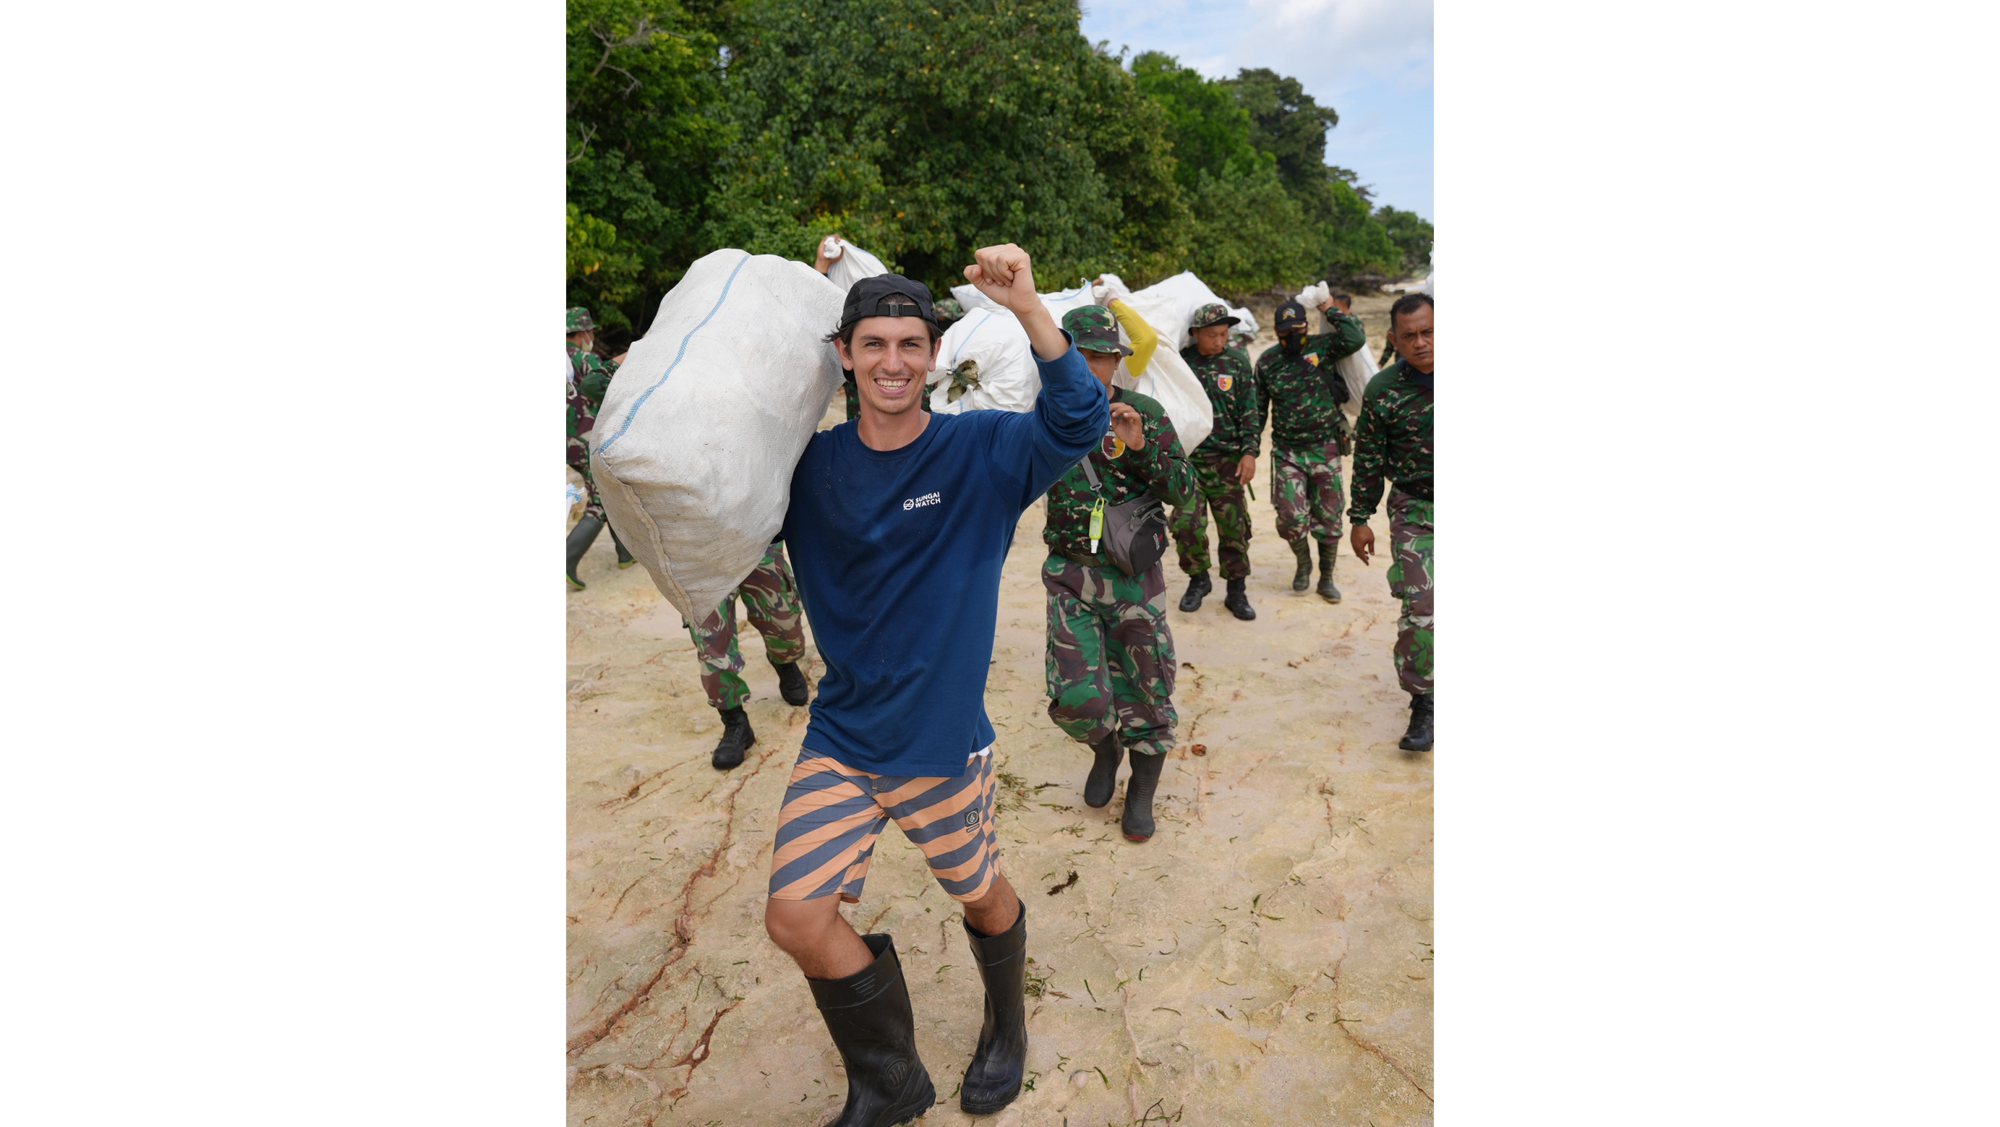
x=1004 y=274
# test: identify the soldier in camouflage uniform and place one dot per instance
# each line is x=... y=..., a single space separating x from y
x=1394 y=442
x=1302 y=393
x=1111 y=653
x=593 y=372
x=772 y=600
x=589 y=376
x=1224 y=462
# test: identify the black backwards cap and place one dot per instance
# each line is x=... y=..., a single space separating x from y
x=886 y=295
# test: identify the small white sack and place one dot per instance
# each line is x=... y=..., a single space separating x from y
x=994 y=341
x=703 y=423
x=853 y=265
x=1169 y=305
x=1357 y=368
x=1246 y=321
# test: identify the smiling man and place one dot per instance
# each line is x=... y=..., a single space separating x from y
x=898 y=525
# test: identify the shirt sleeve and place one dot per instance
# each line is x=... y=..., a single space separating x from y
x=1344 y=333
x=1369 y=444
x=1144 y=339
x=1163 y=465
x=1263 y=405
x=1249 y=417
x=596 y=379
x=1072 y=412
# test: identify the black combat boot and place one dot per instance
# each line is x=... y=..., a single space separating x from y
x=792 y=684
x=737 y=738
x=625 y=558
x=868 y=1014
x=1238 y=602
x=580 y=539
x=1418 y=738
x=1103 y=779
x=1327 y=590
x=1198 y=585
x=1138 y=820
x=1302 y=577
x=993 y=1078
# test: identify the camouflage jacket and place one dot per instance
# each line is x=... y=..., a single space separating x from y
x=1393 y=440
x=1162 y=468
x=1232 y=393
x=593 y=374
x=581 y=420
x=1302 y=394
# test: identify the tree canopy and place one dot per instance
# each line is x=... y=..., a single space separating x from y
x=924 y=131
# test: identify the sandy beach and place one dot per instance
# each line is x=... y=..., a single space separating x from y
x=1266 y=958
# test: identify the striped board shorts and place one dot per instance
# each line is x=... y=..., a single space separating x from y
x=833 y=813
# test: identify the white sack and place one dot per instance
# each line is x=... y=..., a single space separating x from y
x=1246 y=321
x=1315 y=295
x=695 y=443
x=994 y=340
x=851 y=266
x=1357 y=368
x=573 y=495
x=1169 y=380
x=1169 y=305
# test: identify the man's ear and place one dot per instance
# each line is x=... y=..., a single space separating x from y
x=935 y=345
x=846 y=358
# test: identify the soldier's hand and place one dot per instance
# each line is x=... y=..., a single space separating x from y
x=1127 y=424
x=1004 y=274
x=1246 y=468
x=1363 y=539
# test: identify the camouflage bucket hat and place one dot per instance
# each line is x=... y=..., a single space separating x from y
x=579 y=321
x=1095 y=329
x=1214 y=313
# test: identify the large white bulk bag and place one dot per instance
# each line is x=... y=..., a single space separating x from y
x=851 y=265
x=695 y=443
x=1169 y=380
x=1169 y=305
x=987 y=353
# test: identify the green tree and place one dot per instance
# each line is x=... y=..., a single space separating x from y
x=643 y=133
x=1412 y=235
x=926 y=131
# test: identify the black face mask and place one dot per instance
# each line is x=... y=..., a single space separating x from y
x=1292 y=344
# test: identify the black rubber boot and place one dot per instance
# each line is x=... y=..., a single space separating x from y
x=1198 y=585
x=1103 y=780
x=580 y=539
x=792 y=684
x=737 y=738
x=868 y=1014
x=1418 y=738
x=1138 y=820
x=625 y=558
x=1327 y=590
x=993 y=1078
x=1238 y=602
x=1302 y=578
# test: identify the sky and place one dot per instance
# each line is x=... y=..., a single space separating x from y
x=1368 y=59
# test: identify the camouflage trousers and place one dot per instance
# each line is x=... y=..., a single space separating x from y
x=1111 y=654
x=579 y=460
x=1412 y=579
x=1215 y=488
x=771 y=599
x=1305 y=489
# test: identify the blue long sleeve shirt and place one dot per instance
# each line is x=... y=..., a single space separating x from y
x=897 y=554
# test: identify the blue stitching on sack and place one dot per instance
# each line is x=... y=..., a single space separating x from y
x=678 y=356
x=967 y=338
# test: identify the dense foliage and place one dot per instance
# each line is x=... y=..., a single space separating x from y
x=924 y=130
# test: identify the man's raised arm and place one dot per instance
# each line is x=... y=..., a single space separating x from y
x=1071 y=413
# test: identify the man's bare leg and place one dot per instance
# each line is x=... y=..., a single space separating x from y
x=994 y=912
x=817 y=936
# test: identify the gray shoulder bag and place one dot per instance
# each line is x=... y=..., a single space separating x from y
x=1135 y=530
